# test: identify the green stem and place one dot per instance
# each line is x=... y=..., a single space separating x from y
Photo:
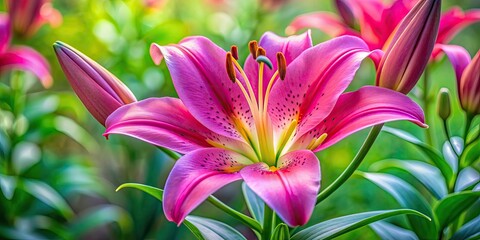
x=252 y=223
x=268 y=218
x=175 y=156
x=353 y=165
x=468 y=123
x=449 y=138
x=426 y=107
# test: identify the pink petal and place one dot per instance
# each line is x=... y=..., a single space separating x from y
x=324 y=21
x=27 y=59
x=291 y=47
x=197 y=67
x=197 y=175
x=166 y=122
x=291 y=190
x=369 y=13
x=5 y=32
x=309 y=93
x=453 y=21
x=360 y=109
x=458 y=56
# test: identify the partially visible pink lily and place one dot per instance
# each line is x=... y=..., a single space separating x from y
x=27 y=16
x=468 y=76
x=377 y=20
x=21 y=57
x=262 y=122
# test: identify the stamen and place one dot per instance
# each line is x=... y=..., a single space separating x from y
x=234 y=51
x=264 y=59
x=273 y=168
x=286 y=135
x=261 y=52
x=230 y=69
x=316 y=142
x=253 y=46
x=282 y=65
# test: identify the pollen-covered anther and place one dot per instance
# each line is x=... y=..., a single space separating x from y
x=253 y=46
x=264 y=59
x=234 y=51
x=282 y=65
x=261 y=52
x=317 y=141
x=230 y=68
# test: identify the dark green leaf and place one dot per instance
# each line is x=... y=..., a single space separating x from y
x=48 y=195
x=408 y=197
x=388 y=231
x=467 y=179
x=12 y=233
x=450 y=155
x=470 y=230
x=211 y=229
x=99 y=216
x=153 y=191
x=4 y=144
x=432 y=154
x=254 y=203
x=449 y=208
x=281 y=232
x=425 y=173
x=338 y=226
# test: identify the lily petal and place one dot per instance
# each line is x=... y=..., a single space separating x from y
x=458 y=56
x=291 y=190
x=197 y=67
x=360 y=109
x=311 y=99
x=5 y=32
x=453 y=21
x=291 y=47
x=166 y=122
x=26 y=58
x=326 y=22
x=197 y=175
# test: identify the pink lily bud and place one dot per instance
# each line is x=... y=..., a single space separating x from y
x=408 y=51
x=27 y=16
x=99 y=90
x=469 y=87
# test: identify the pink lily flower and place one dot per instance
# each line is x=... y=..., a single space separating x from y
x=21 y=57
x=377 y=21
x=99 y=90
x=261 y=123
x=27 y=16
x=467 y=72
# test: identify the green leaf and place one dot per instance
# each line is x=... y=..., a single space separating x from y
x=432 y=154
x=281 y=232
x=76 y=132
x=4 y=143
x=470 y=230
x=338 y=226
x=48 y=195
x=449 y=208
x=449 y=154
x=425 y=173
x=98 y=216
x=467 y=179
x=153 y=191
x=408 y=197
x=8 y=185
x=255 y=204
x=204 y=228
x=12 y=233
x=388 y=231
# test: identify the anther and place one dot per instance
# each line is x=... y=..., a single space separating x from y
x=261 y=52
x=234 y=51
x=230 y=67
x=253 y=46
x=282 y=65
x=265 y=60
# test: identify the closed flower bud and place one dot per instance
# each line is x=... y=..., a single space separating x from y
x=443 y=104
x=469 y=87
x=408 y=51
x=99 y=90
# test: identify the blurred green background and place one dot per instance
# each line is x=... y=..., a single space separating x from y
x=53 y=140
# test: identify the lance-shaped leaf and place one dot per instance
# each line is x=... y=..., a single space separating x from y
x=388 y=231
x=209 y=229
x=449 y=208
x=471 y=230
x=255 y=204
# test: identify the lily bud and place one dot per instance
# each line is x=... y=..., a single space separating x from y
x=469 y=87
x=409 y=49
x=99 y=90
x=443 y=104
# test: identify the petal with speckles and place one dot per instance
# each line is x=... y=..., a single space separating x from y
x=197 y=175
x=291 y=190
x=198 y=71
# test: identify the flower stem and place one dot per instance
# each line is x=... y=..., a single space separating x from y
x=250 y=222
x=268 y=218
x=449 y=138
x=426 y=107
x=353 y=165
